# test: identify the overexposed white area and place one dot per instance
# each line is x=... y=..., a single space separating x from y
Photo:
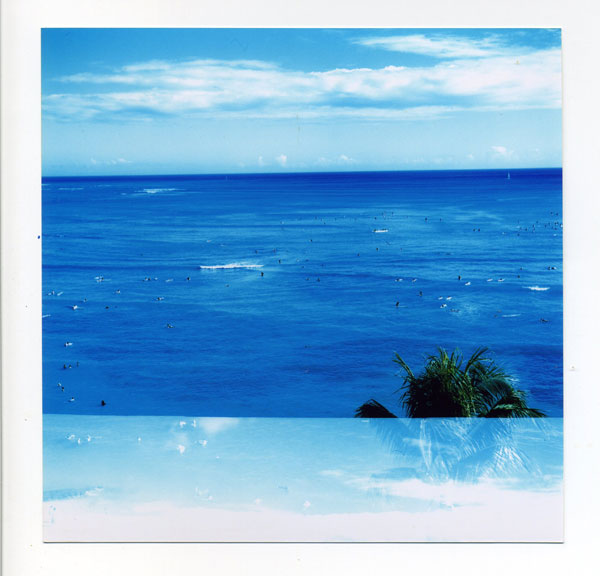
x=23 y=551
x=498 y=516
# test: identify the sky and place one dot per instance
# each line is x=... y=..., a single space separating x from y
x=201 y=101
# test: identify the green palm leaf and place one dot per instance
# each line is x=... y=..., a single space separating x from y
x=446 y=389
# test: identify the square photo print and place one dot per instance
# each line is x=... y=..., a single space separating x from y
x=302 y=285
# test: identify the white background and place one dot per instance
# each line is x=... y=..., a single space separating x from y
x=24 y=553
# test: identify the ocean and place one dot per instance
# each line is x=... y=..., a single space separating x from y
x=288 y=295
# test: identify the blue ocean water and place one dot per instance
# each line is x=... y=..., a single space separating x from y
x=288 y=295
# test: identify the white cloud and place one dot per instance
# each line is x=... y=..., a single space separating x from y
x=213 y=426
x=261 y=161
x=281 y=159
x=341 y=160
x=437 y=46
x=112 y=162
x=502 y=152
x=480 y=78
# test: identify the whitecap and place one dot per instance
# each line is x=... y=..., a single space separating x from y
x=232 y=266
x=155 y=190
x=380 y=230
x=538 y=288
x=510 y=315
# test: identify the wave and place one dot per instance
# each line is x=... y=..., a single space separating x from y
x=233 y=265
x=510 y=315
x=538 y=288
x=155 y=190
x=380 y=231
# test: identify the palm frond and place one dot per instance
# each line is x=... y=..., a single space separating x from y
x=405 y=367
x=512 y=405
x=373 y=409
x=476 y=357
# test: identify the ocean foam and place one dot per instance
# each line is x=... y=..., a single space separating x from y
x=233 y=265
x=155 y=190
x=538 y=288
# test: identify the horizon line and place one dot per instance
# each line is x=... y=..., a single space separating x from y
x=296 y=173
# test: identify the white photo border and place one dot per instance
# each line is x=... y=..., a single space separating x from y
x=24 y=552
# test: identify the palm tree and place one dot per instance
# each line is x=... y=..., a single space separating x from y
x=446 y=389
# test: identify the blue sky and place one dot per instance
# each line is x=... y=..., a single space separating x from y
x=172 y=101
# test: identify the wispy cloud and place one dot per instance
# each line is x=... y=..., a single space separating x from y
x=341 y=160
x=111 y=162
x=436 y=46
x=475 y=76
x=502 y=152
